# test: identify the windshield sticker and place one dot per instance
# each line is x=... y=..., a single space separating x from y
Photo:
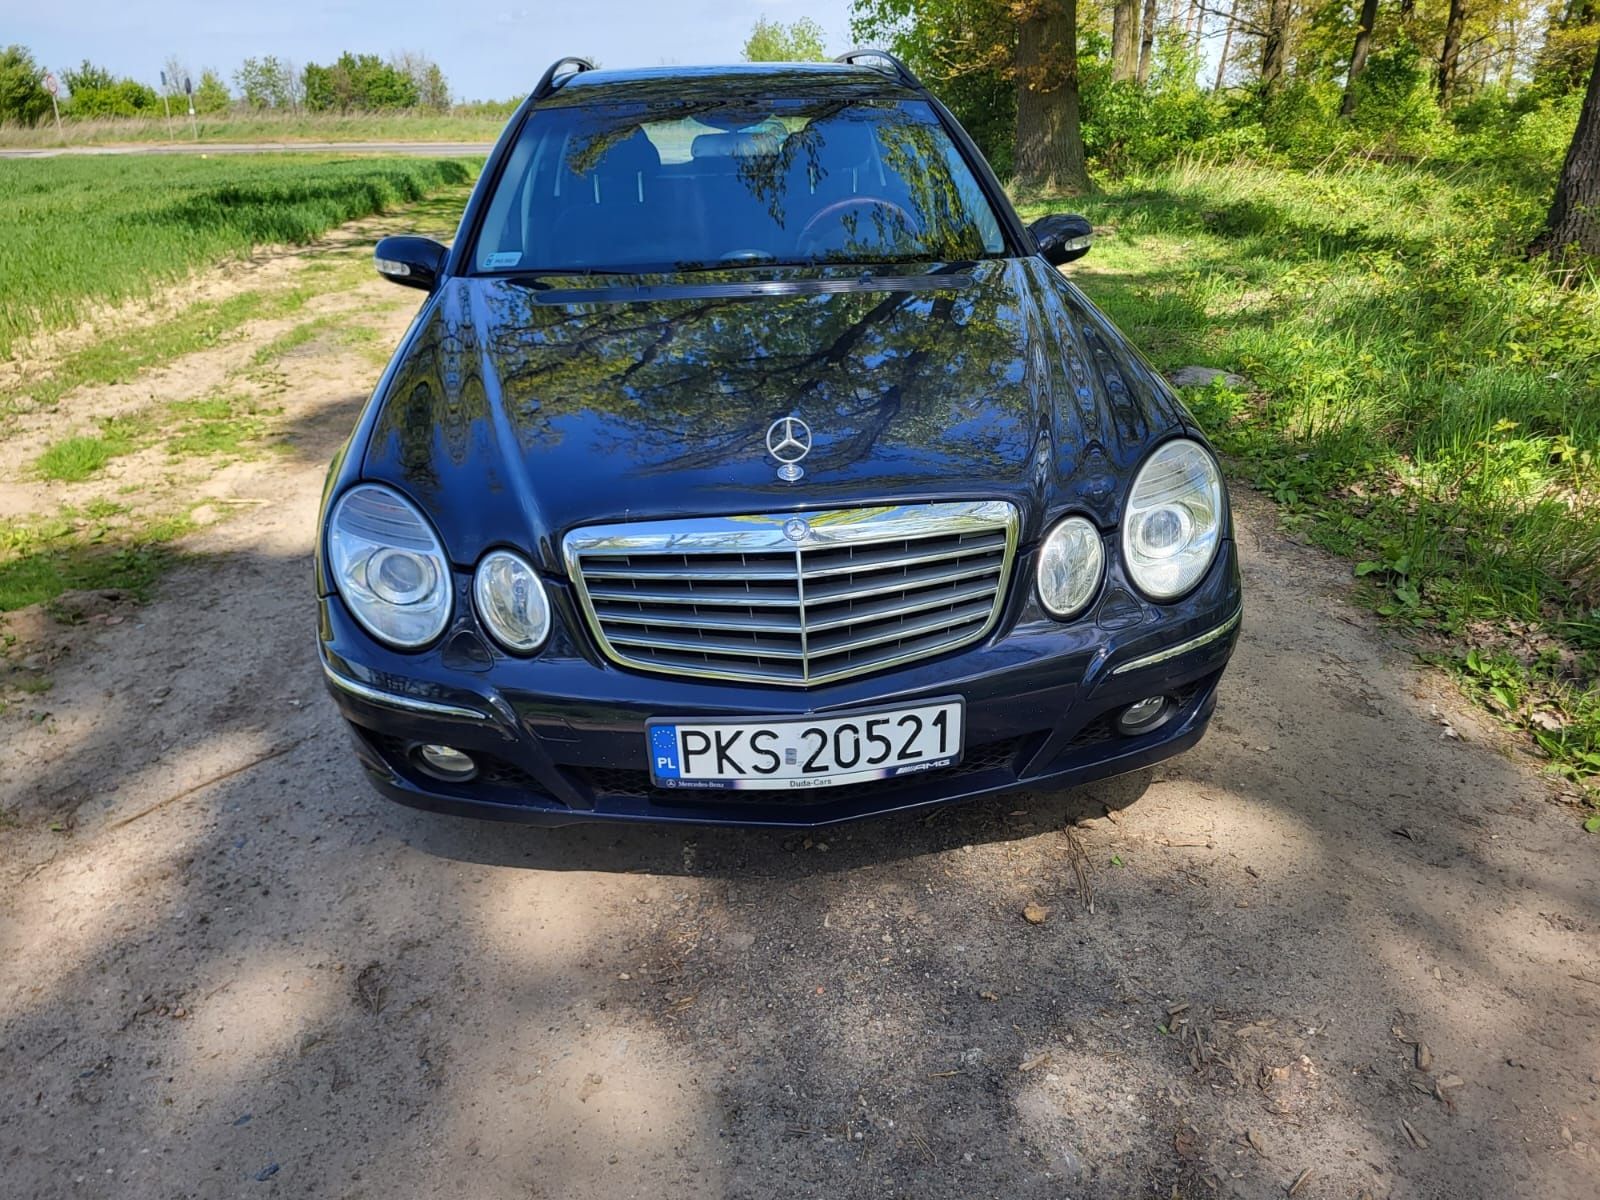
x=502 y=258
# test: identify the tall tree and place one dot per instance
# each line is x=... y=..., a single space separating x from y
x=1049 y=132
x=1147 y=40
x=1450 y=50
x=1358 y=55
x=22 y=95
x=1124 y=39
x=1227 y=46
x=773 y=41
x=1275 y=45
x=1572 y=230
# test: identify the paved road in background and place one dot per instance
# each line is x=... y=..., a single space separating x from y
x=450 y=149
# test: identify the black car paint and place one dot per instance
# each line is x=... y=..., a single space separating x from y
x=518 y=407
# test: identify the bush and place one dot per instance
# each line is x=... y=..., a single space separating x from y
x=1395 y=110
x=22 y=95
x=1524 y=145
x=1301 y=121
x=119 y=98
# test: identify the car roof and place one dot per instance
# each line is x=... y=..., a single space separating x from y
x=745 y=81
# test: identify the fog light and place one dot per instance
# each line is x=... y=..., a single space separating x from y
x=1142 y=715
x=446 y=762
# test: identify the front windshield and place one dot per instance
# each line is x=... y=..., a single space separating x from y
x=650 y=188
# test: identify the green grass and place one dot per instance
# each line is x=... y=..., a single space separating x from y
x=219 y=427
x=1423 y=400
x=40 y=559
x=76 y=458
x=86 y=231
x=468 y=126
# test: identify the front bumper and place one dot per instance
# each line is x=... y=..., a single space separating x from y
x=560 y=738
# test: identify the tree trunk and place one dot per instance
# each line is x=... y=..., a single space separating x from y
x=1450 y=53
x=1572 y=230
x=1147 y=39
x=1192 y=28
x=1049 y=137
x=1124 y=35
x=1358 y=56
x=1275 y=46
x=1227 y=46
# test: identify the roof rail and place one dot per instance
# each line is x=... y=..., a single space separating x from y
x=553 y=79
x=897 y=68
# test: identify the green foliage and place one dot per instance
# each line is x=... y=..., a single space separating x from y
x=974 y=81
x=73 y=459
x=154 y=219
x=1524 y=141
x=22 y=95
x=41 y=559
x=1567 y=57
x=359 y=82
x=1127 y=127
x=95 y=92
x=773 y=41
x=211 y=94
x=1422 y=399
x=267 y=83
x=1395 y=109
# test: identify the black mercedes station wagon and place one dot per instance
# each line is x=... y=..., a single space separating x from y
x=750 y=462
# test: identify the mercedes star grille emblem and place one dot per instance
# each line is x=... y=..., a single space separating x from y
x=788 y=441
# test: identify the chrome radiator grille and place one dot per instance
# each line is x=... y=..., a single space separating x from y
x=794 y=599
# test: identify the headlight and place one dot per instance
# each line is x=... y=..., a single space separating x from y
x=1174 y=520
x=1070 y=564
x=389 y=566
x=511 y=601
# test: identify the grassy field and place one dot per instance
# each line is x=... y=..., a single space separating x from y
x=467 y=126
x=85 y=231
x=1421 y=399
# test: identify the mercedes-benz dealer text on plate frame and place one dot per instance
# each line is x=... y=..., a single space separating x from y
x=749 y=461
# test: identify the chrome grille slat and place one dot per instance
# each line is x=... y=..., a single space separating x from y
x=753 y=647
x=739 y=598
x=894 y=608
x=873 y=636
x=885 y=561
x=697 y=619
x=736 y=599
x=777 y=570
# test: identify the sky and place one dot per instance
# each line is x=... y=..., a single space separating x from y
x=488 y=50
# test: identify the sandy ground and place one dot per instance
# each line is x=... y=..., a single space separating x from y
x=1348 y=935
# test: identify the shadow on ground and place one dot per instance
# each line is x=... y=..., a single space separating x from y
x=240 y=969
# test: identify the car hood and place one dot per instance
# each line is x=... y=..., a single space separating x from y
x=520 y=409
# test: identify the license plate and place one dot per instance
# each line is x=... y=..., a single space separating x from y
x=805 y=752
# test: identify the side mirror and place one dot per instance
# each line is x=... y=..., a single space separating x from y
x=1062 y=237
x=410 y=261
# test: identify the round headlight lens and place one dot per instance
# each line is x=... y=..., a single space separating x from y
x=388 y=566
x=1173 y=525
x=511 y=601
x=1071 y=562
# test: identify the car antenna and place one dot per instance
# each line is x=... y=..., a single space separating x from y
x=897 y=68
x=555 y=77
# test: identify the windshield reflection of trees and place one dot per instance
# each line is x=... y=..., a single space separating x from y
x=923 y=207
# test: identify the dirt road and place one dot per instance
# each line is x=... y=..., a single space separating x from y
x=1346 y=936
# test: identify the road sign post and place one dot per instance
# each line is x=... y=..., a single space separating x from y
x=53 y=85
x=166 y=101
x=188 y=90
